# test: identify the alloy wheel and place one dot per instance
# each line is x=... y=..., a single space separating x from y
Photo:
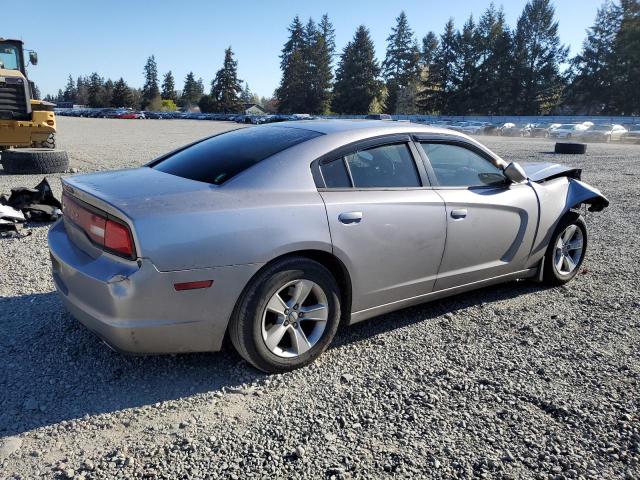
x=568 y=250
x=295 y=318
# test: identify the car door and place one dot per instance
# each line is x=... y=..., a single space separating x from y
x=386 y=225
x=490 y=223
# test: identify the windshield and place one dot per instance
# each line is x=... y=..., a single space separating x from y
x=9 y=58
x=217 y=159
x=601 y=128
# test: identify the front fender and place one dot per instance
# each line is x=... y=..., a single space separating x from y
x=579 y=192
x=556 y=197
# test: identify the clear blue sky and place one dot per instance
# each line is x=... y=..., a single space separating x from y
x=115 y=37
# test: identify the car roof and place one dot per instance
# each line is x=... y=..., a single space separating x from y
x=333 y=126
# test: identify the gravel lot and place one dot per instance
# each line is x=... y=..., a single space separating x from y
x=514 y=381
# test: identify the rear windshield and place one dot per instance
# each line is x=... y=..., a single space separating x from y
x=217 y=159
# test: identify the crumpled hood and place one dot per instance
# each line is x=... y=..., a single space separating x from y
x=539 y=172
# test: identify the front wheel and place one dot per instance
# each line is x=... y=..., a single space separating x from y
x=566 y=250
x=287 y=316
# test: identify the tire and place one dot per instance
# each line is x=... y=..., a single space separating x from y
x=50 y=142
x=34 y=160
x=252 y=319
x=571 y=148
x=559 y=276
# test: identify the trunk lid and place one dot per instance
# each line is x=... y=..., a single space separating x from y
x=138 y=193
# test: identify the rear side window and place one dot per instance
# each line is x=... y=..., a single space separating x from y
x=335 y=174
x=220 y=158
x=386 y=166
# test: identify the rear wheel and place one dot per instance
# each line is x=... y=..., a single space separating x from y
x=34 y=160
x=566 y=250
x=287 y=316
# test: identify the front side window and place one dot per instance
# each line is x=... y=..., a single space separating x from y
x=387 y=166
x=456 y=166
x=217 y=159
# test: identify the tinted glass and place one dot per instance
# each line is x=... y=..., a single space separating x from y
x=456 y=166
x=386 y=166
x=335 y=174
x=219 y=158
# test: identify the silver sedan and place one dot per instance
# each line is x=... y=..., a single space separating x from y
x=276 y=234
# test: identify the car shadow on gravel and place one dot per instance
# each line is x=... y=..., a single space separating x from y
x=428 y=311
x=54 y=369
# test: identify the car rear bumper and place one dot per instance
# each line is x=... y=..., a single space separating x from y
x=135 y=308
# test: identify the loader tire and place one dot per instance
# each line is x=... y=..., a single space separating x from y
x=34 y=160
x=50 y=142
x=571 y=148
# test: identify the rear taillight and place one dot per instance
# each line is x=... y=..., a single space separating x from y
x=118 y=238
x=102 y=229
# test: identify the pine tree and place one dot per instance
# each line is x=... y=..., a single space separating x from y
x=317 y=56
x=95 y=91
x=150 y=90
x=82 y=91
x=292 y=93
x=69 y=94
x=493 y=82
x=121 y=94
x=107 y=93
x=226 y=88
x=246 y=96
x=400 y=66
x=429 y=49
x=169 y=87
x=438 y=87
x=627 y=60
x=538 y=81
x=465 y=76
x=357 y=83
x=191 y=92
x=325 y=27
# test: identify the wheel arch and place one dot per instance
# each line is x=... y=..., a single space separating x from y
x=328 y=260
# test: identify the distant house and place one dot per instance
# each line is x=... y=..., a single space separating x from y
x=253 y=109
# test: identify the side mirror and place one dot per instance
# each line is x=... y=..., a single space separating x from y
x=515 y=173
x=33 y=58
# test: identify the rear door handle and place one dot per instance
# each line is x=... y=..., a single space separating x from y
x=459 y=214
x=350 y=217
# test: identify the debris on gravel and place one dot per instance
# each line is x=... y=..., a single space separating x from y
x=511 y=381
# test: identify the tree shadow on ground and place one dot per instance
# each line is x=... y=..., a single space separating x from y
x=54 y=369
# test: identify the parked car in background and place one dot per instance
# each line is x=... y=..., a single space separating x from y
x=567 y=131
x=510 y=130
x=378 y=116
x=153 y=115
x=130 y=114
x=475 y=128
x=538 y=130
x=632 y=135
x=603 y=133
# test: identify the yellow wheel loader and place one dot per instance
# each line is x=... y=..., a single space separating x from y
x=27 y=126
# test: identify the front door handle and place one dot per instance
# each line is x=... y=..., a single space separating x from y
x=350 y=217
x=459 y=214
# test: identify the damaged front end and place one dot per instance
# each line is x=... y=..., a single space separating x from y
x=577 y=193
